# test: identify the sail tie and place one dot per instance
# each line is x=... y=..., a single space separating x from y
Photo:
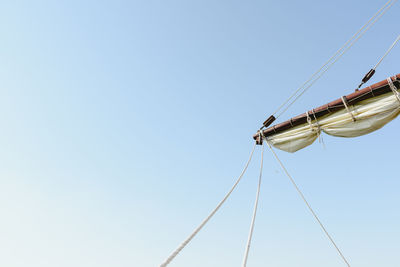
x=394 y=89
x=346 y=105
x=312 y=127
x=320 y=139
x=310 y=122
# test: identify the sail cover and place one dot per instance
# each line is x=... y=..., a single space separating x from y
x=354 y=115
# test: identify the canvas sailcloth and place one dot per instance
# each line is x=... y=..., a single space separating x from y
x=362 y=118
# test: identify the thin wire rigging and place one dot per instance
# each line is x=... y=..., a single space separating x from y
x=308 y=205
x=333 y=59
x=387 y=52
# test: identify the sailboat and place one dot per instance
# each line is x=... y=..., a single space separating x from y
x=360 y=112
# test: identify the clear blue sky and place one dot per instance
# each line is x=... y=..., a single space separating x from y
x=123 y=123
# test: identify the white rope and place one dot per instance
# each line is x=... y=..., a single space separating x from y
x=310 y=122
x=393 y=88
x=190 y=237
x=308 y=205
x=312 y=128
x=246 y=253
x=336 y=57
x=347 y=108
x=320 y=138
x=387 y=52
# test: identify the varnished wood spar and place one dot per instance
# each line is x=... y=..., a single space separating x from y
x=376 y=89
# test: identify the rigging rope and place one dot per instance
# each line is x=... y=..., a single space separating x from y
x=371 y=72
x=387 y=52
x=246 y=253
x=190 y=237
x=336 y=56
x=308 y=205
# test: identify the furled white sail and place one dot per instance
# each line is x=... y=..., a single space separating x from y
x=362 y=118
